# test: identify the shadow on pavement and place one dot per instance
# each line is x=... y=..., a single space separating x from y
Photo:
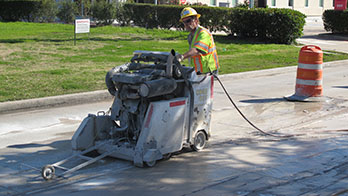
x=327 y=36
x=268 y=100
x=339 y=86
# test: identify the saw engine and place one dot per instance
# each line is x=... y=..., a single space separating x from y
x=159 y=107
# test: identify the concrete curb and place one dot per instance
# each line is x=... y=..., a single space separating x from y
x=265 y=72
x=102 y=95
x=61 y=100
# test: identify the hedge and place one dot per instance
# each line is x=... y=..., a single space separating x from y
x=275 y=25
x=103 y=12
x=336 y=21
x=19 y=10
x=213 y=18
x=149 y=15
x=167 y=16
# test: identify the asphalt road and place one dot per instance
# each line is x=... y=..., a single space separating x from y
x=238 y=161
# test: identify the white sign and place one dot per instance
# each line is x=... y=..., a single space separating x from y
x=82 y=25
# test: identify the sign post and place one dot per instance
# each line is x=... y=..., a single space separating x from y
x=81 y=26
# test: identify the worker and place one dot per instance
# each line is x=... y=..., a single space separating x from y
x=202 y=52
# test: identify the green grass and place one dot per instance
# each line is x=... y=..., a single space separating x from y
x=38 y=60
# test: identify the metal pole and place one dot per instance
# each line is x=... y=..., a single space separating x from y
x=75 y=33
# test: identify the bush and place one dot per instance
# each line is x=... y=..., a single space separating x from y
x=86 y=5
x=168 y=16
x=284 y=25
x=275 y=25
x=18 y=10
x=122 y=16
x=103 y=11
x=213 y=18
x=28 y=10
x=47 y=11
x=336 y=21
x=150 y=16
x=67 y=11
x=143 y=15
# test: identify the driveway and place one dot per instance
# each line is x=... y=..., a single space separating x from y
x=315 y=34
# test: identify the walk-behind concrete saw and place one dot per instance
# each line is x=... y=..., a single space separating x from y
x=159 y=108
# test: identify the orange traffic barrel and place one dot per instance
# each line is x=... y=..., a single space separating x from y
x=309 y=79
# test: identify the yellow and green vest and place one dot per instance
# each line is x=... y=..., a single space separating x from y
x=207 y=61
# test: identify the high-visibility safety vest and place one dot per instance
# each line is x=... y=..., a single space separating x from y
x=203 y=40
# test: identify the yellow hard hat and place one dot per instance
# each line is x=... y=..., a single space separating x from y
x=188 y=11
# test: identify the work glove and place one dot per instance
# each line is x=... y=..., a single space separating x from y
x=179 y=57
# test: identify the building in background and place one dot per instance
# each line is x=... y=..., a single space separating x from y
x=307 y=7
